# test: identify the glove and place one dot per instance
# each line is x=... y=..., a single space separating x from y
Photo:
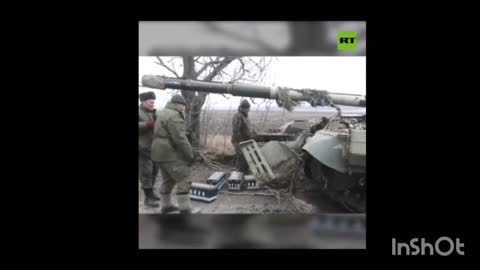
x=150 y=124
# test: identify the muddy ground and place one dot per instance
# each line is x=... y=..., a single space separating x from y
x=250 y=202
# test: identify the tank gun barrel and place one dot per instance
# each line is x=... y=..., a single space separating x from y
x=245 y=90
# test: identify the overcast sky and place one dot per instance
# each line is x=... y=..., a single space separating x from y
x=334 y=74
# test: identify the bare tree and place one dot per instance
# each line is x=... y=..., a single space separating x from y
x=208 y=69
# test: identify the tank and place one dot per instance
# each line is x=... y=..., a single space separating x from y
x=333 y=150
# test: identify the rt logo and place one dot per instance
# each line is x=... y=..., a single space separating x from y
x=347 y=41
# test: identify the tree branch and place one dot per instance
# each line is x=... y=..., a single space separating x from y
x=242 y=70
x=165 y=66
x=202 y=95
x=216 y=70
x=206 y=65
x=256 y=64
x=241 y=62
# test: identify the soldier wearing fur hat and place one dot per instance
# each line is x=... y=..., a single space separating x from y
x=241 y=131
x=173 y=154
x=147 y=170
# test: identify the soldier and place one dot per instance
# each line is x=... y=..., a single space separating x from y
x=146 y=115
x=173 y=154
x=242 y=131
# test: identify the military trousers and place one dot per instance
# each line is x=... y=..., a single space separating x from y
x=147 y=169
x=240 y=162
x=175 y=173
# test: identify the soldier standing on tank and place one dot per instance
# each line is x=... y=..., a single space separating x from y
x=173 y=154
x=241 y=131
x=147 y=170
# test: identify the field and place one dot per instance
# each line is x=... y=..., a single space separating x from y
x=217 y=126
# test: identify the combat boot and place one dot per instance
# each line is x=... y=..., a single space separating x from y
x=184 y=205
x=149 y=199
x=167 y=205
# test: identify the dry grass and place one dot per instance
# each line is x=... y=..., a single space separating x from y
x=216 y=128
x=220 y=145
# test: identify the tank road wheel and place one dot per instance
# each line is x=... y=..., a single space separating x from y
x=348 y=190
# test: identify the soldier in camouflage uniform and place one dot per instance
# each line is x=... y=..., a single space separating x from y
x=173 y=154
x=241 y=131
x=147 y=170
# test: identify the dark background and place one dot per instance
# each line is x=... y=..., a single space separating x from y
x=420 y=172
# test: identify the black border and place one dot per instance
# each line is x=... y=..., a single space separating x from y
x=419 y=185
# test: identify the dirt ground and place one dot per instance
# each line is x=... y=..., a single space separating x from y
x=249 y=202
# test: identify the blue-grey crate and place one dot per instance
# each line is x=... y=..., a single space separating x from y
x=203 y=192
x=235 y=181
x=217 y=179
x=250 y=182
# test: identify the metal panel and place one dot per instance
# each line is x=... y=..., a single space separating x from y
x=276 y=153
x=358 y=142
x=327 y=148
